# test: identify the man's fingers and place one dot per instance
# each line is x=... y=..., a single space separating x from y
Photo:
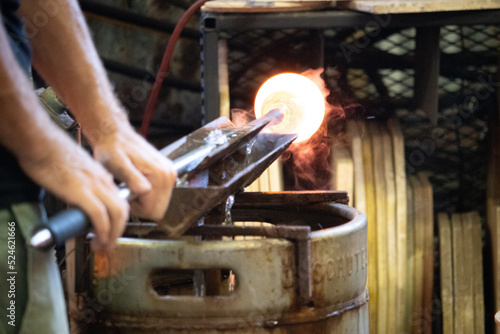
x=107 y=212
x=98 y=214
x=119 y=219
x=118 y=210
x=146 y=172
x=154 y=204
x=124 y=170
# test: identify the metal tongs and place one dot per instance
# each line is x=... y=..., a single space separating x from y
x=212 y=163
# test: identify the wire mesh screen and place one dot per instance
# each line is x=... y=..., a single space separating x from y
x=256 y=55
x=374 y=71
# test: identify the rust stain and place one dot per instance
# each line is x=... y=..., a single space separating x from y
x=101 y=265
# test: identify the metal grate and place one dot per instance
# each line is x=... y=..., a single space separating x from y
x=258 y=54
x=467 y=95
x=375 y=70
x=401 y=43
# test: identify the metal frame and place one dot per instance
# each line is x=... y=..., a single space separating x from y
x=212 y=24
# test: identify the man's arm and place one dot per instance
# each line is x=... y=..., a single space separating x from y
x=49 y=156
x=66 y=58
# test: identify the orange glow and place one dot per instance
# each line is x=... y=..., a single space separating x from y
x=300 y=100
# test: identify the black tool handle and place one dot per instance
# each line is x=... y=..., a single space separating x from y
x=66 y=225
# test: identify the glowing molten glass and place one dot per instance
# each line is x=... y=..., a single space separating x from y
x=300 y=100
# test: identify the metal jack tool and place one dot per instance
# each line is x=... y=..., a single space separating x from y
x=241 y=153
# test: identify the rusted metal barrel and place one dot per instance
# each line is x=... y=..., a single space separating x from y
x=267 y=295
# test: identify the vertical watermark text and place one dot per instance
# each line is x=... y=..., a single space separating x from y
x=11 y=273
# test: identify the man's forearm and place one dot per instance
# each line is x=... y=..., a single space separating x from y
x=25 y=129
x=66 y=58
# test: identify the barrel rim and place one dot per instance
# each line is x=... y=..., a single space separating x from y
x=303 y=316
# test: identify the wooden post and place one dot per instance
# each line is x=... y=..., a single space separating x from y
x=427 y=57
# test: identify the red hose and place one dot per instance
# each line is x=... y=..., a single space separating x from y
x=165 y=62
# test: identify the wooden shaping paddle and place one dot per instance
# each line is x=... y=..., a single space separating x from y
x=468 y=278
x=398 y=149
x=392 y=251
x=342 y=169
x=264 y=180
x=354 y=137
x=275 y=176
x=410 y=255
x=477 y=271
x=381 y=221
x=493 y=204
x=446 y=271
x=419 y=221
x=371 y=218
x=428 y=256
x=459 y=287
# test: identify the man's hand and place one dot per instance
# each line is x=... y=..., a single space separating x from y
x=70 y=173
x=146 y=172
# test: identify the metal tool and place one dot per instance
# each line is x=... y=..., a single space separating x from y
x=216 y=145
